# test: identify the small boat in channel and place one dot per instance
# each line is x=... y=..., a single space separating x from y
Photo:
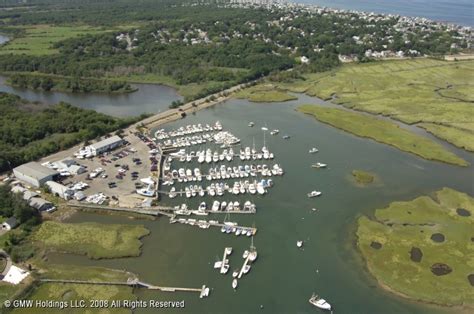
x=319 y=302
x=314 y=194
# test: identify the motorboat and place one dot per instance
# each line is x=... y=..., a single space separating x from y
x=275 y=132
x=314 y=193
x=251 y=124
x=286 y=137
x=228 y=250
x=215 y=206
x=319 y=302
x=246 y=254
x=313 y=150
x=225 y=269
x=319 y=165
x=235 y=273
x=246 y=269
x=299 y=243
x=202 y=207
x=234 y=283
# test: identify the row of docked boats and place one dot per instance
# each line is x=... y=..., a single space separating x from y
x=217 y=206
x=221 y=173
x=203 y=224
x=187 y=130
x=187 y=141
x=237 y=230
x=221 y=188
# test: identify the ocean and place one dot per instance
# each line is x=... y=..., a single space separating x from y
x=454 y=11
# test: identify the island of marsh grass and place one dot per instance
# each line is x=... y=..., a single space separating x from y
x=69 y=292
x=400 y=247
x=362 y=177
x=265 y=93
x=39 y=39
x=92 y=239
x=435 y=93
x=384 y=132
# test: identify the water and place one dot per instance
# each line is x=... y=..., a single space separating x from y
x=3 y=39
x=454 y=11
x=284 y=276
x=150 y=98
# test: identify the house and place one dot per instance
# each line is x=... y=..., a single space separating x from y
x=41 y=204
x=35 y=174
x=60 y=190
x=106 y=145
x=10 y=223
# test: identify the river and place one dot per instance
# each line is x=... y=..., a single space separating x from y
x=454 y=11
x=284 y=276
x=150 y=98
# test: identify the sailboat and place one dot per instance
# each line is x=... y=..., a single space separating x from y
x=252 y=252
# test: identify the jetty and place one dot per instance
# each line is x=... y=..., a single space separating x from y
x=241 y=272
x=131 y=283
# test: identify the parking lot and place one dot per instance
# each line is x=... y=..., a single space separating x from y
x=116 y=173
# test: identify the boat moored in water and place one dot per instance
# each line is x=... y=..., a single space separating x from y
x=319 y=303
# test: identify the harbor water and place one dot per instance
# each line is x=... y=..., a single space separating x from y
x=284 y=276
x=149 y=98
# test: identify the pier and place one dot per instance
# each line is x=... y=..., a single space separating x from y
x=243 y=267
x=226 y=250
x=130 y=283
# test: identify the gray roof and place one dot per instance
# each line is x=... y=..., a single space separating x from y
x=29 y=194
x=35 y=170
x=37 y=202
x=108 y=141
x=12 y=222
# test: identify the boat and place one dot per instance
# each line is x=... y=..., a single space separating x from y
x=314 y=194
x=319 y=165
x=224 y=269
x=202 y=207
x=275 y=132
x=313 y=150
x=228 y=250
x=251 y=124
x=286 y=137
x=204 y=292
x=246 y=254
x=299 y=243
x=234 y=283
x=319 y=303
x=246 y=269
x=215 y=206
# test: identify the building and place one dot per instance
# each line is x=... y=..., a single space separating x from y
x=106 y=145
x=76 y=169
x=34 y=174
x=27 y=195
x=41 y=204
x=10 y=223
x=65 y=163
x=60 y=190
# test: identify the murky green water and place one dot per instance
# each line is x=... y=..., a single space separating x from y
x=284 y=276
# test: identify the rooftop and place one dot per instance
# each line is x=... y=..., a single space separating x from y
x=35 y=170
x=108 y=141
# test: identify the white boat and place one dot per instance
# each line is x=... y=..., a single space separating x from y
x=225 y=269
x=246 y=254
x=286 y=137
x=275 y=132
x=246 y=269
x=299 y=243
x=313 y=150
x=228 y=250
x=204 y=292
x=314 y=194
x=202 y=207
x=251 y=124
x=235 y=273
x=319 y=165
x=234 y=283
x=319 y=303
x=215 y=206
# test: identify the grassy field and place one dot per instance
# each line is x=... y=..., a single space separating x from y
x=70 y=292
x=362 y=177
x=265 y=93
x=38 y=39
x=384 y=132
x=92 y=239
x=424 y=91
x=388 y=240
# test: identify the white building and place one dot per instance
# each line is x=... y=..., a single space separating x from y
x=76 y=169
x=106 y=145
x=60 y=190
x=35 y=174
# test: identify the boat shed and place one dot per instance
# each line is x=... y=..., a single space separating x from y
x=106 y=145
x=40 y=204
x=35 y=174
x=60 y=190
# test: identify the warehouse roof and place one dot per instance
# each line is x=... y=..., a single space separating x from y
x=35 y=170
x=108 y=141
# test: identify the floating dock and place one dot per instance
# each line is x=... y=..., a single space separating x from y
x=224 y=258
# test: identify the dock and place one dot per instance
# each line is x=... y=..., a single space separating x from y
x=224 y=258
x=243 y=267
x=152 y=211
x=131 y=283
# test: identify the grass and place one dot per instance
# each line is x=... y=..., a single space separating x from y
x=404 y=225
x=362 y=177
x=70 y=292
x=384 y=132
x=39 y=39
x=412 y=91
x=92 y=239
x=265 y=93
